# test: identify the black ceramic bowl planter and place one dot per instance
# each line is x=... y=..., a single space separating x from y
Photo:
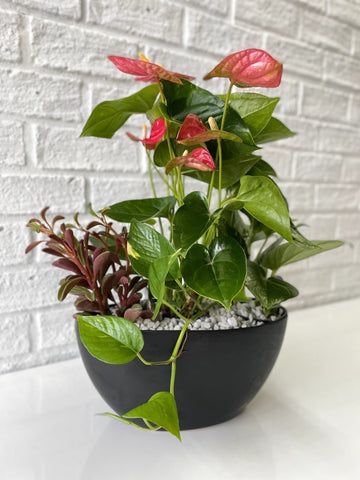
x=218 y=373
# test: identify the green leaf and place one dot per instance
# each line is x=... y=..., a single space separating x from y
x=141 y=210
x=254 y=109
x=160 y=410
x=161 y=153
x=109 y=338
x=277 y=256
x=218 y=272
x=146 y=245
x=158 y=272
x=274 y=130
x=109 y=116
x=189 y=98
x=191 y=220
x=270 y=292
x=264 y=201
x=262 y=168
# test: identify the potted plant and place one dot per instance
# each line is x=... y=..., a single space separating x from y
x=188 y=284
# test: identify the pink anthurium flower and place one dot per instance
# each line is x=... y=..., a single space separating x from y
x=249 y=68
x=199 y=159
x=193 y=132
x=145 y=71
x=157 y=132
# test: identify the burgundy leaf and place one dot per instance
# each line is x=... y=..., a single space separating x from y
x=101 y=264
x=67 y=285
x=67 y=264
x=32 y=245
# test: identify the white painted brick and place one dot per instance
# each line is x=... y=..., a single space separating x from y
x=356 y=42
x=9 y=36
x=27 y=194
x=312 y=167
x=75 y=49
x=28 y=288
x=316 y=4
x=332 y=139
x=306 y=137
x=348 y=225
x=299 y=196
x=355 y=111
x=29 y=93
x=296 y=56
x=14 y=334
x=351 y=169
x=141 y=17
x=281 y=15
x=310 y=282
x=14 y=238
x=289 y=97
x=325 y=32
x=344 y=255
x=12 y=152
x=320 y=226
x=105 y=191
x=63 y=148
x=346 y=277
x=280 y=159
x=56 y=327
x=346 y=10
x=322 y=103
x=65 y=8
x=210 y=35
x=342 y=69
x=336 y=197
x=222 y=7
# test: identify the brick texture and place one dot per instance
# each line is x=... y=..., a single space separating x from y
x=53 y=71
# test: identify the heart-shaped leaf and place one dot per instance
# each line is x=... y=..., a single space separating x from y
x=218 y=272
x=277 y=256
x=160 y=410
x=262 y=168
x=146 y=245
x=270 y=292
x=274 y=130
x=141 y=210
x=110 y=339
x=191 y=220
x=109 y=116
x=264 y=201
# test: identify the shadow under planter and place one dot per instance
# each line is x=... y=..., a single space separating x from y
x=218 y=373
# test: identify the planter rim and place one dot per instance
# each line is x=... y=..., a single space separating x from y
x=283 y=315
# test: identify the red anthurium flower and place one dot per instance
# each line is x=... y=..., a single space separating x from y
x=193 y=132
x=199 y=159
x=158 y=130
x=146 y=71
x=252 y=67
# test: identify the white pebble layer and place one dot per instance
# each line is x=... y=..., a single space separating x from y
x=241 y=315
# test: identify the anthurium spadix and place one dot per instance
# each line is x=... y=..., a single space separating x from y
x=249 y=68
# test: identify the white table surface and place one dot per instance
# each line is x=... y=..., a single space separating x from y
x=304 y=424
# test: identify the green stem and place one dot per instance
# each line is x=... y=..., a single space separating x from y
x=172 y=377
x=219 y=150
x=152 y=183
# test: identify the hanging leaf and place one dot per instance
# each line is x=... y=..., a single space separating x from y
x=158 y=271
x=160 y=410
x=274 y=130
x=109 y=338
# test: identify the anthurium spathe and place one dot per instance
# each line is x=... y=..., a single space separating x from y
x=249 y=68
x=146 y=71
x=198 y=159
x=157 y=132
x=193 y=131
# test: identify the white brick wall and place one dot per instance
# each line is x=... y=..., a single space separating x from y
x=53 y=70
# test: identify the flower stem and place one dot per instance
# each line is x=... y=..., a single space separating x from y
x=219 y=151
